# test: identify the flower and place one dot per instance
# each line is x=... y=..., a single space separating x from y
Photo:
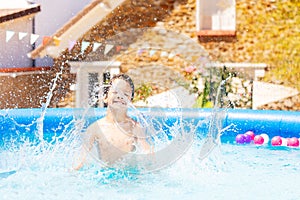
x=190 y=69
x=200 y=85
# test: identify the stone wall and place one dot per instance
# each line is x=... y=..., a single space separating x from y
x=159 y=55
x=176 y=16
x=24 y=91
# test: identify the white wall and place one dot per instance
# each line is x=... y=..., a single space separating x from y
x=14 y=52
x=54 y=14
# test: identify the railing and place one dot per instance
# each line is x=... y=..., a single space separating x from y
x=239 y=89
x=250 y=70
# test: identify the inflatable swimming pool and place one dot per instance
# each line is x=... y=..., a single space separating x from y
x=231 y=171
x=283 y=123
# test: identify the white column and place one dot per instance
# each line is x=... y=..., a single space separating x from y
x=82 y=70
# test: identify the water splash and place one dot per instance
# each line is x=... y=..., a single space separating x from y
x=215 y=126
x=174 y=138
x=39 y=121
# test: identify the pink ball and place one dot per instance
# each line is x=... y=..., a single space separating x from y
x=251 y=133
x=276 y=141
x=293 y=142
x=258 y=139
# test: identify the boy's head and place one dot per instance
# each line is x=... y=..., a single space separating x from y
x=120 y=91
x=125 y=78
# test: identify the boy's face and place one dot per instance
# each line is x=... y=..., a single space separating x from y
x=119 y=94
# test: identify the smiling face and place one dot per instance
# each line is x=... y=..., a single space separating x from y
x=119 y=94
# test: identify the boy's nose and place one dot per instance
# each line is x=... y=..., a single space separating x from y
x=120 y=96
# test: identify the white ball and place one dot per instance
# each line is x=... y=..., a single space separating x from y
x=266 y=138
x=284 y=142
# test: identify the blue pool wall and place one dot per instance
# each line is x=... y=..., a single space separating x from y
x=24 y=122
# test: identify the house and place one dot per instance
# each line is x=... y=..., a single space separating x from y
x=100 y=15
x=23 y=27
x=54 y=14
x=16 y=30
x=93 y=41
x=100 y=20
x=24 y=82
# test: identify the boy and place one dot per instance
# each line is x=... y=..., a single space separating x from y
x=116 y=134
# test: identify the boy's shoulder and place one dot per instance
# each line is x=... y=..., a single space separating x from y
x=96 y=124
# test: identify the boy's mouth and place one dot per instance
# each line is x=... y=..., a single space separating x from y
x=119 y=102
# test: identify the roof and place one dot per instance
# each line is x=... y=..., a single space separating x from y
x=14 y=9
x=76 y=27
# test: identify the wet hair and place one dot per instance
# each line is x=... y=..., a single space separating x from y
x=126 y=78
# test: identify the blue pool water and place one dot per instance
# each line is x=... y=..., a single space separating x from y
x=35 y=168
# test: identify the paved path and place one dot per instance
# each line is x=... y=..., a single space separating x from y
x=263 y=93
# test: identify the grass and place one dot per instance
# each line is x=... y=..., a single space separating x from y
x=274 y=30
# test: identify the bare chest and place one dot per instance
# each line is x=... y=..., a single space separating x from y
x=121 y=137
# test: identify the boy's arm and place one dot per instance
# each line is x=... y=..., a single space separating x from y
x=141 y=137
x=87 y=145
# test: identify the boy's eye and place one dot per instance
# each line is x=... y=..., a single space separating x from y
x=125 y=94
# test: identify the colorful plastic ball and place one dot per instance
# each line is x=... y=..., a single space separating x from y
x=240 y=139
x=284 y=141
x=276 y=141
x=251 y=133
x=293 y=142
x=248 y=138
x=266 y=138
x=258 y=139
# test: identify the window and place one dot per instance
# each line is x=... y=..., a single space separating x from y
x=216 y=18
